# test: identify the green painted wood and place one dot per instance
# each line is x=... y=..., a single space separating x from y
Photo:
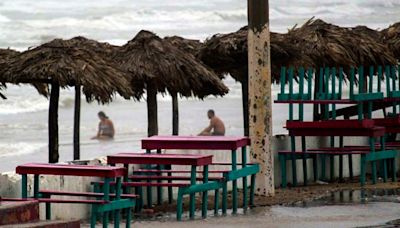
x=293 y=158
x=106 y=191
x=367 y=96
x=35 y=186
x=387 y=79
x=309 y=82
x=93 y=217
x=386 y=154
x=303 y=149
x=116 y=205
x=24 y=186
x=394 y=178
x=204 y=196
x=216 y=201
x=373 y=164
x=211 y=185
x=291 y=93
x=192 y=199
x=234 y=182
x=282 y=162
x=380 y=76
x=294 y=96
x=340 y=82
x=352 y=82
x=315 y=167
x=244 y=180
x=252 y=189
x=301 y=92
x=179 y=204
x=371 y=79
x=363 y=162
x=118 y=189
x=244 y=172
x=385 y=170
x=224 y=197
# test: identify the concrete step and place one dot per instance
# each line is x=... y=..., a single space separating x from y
x=46 y=224
x=18 y=212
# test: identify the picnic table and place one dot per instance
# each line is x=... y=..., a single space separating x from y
x=107 y=202
x=192 y=160
x=220 y=143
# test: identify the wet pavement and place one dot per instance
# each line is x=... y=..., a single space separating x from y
x=357 y=208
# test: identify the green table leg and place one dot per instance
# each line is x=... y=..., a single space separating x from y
x=179 y=205
x=36 y=186
x=48 y=211
x=373 y=163
x=341 y=167
x=149 y=189
x=128 y=218
x=24 y=186
x=350 y=157
x=323 y=167
x=303 y=148
x=170 y=192
x=394 y=178
x=159 y=189
x=315 y=167
x=362 y=169
x=332 y=167
x=216 y=202
x=106 y=191
x=282 y=162
x=192 y=203
x=385 y=170
x=224 y=198
x=294 y=160
x=93 y=217
x=244 y=180
x=234 y=183
x=118 y=188
x=205 y=195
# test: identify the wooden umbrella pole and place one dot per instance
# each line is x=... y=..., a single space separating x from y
x=245 y=104
x=152 y=109
x=175 y=114
x=77 y=117
x=53 y=123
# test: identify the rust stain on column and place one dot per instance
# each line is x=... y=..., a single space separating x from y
x=260 y=107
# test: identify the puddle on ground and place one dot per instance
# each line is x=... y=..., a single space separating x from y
x=346 y=197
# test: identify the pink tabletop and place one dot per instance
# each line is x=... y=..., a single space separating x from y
x=195 y=142
x=70 y=170
x=160 y=159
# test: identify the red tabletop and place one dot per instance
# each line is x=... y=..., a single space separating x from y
x=195 y=142
x=160 y=159
x=70 y=170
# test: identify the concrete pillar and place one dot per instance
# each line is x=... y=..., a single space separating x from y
x=260 y=107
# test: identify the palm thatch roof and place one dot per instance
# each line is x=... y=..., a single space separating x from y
x=227 y=53
x=187 y=45
x=331 y=45
x=68 y=63
x=391 y=36
x=149 y=58
x=6 y=54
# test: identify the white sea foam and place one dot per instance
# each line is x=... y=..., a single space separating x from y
x=19 y=148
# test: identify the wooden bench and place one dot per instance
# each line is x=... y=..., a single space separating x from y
x=103 y=205
x=220 y=143
x=192 y=160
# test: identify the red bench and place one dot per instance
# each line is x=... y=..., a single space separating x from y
x=103 y=205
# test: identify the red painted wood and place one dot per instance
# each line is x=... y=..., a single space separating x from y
x=160 y=159
x=86 y=194
x=177 y=171
x=370 y=132
x=148 y=184
x=387 y=122
x=195 y=142
x=70 y=170
x=366 y=123
x=44 y=200
x=148 y=177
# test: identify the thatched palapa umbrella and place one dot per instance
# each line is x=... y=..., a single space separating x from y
x=227 y=53
x=391 y=36
x=161 y=67
x=61 y=63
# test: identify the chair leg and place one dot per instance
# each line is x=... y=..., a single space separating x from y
x=332 y=167
x=93 y=217
x=224 y=197
x=252 y=189
x=179 y=205
x=216 y=201
x=282 y=161
x=394 y=178
x=315 y=167
x=362 y=169
x=350 y=157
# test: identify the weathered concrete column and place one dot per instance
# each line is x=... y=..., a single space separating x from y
x=260 y=107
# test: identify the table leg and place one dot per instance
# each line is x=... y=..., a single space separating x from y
x=372 y=146
x=149 y=189
x=159 y=189
x=192 y=205
x=106 y=191
x=36 y=186
x=24 y=187
x=244 y=180
x=118 y=187
x=205 y=195
x=234 y=183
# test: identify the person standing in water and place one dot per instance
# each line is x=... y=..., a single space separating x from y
x=106 y=127
x=216 y=126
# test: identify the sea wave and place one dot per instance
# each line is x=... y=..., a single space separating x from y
x=19 y=148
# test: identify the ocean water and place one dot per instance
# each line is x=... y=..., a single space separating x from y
x=26 y=23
